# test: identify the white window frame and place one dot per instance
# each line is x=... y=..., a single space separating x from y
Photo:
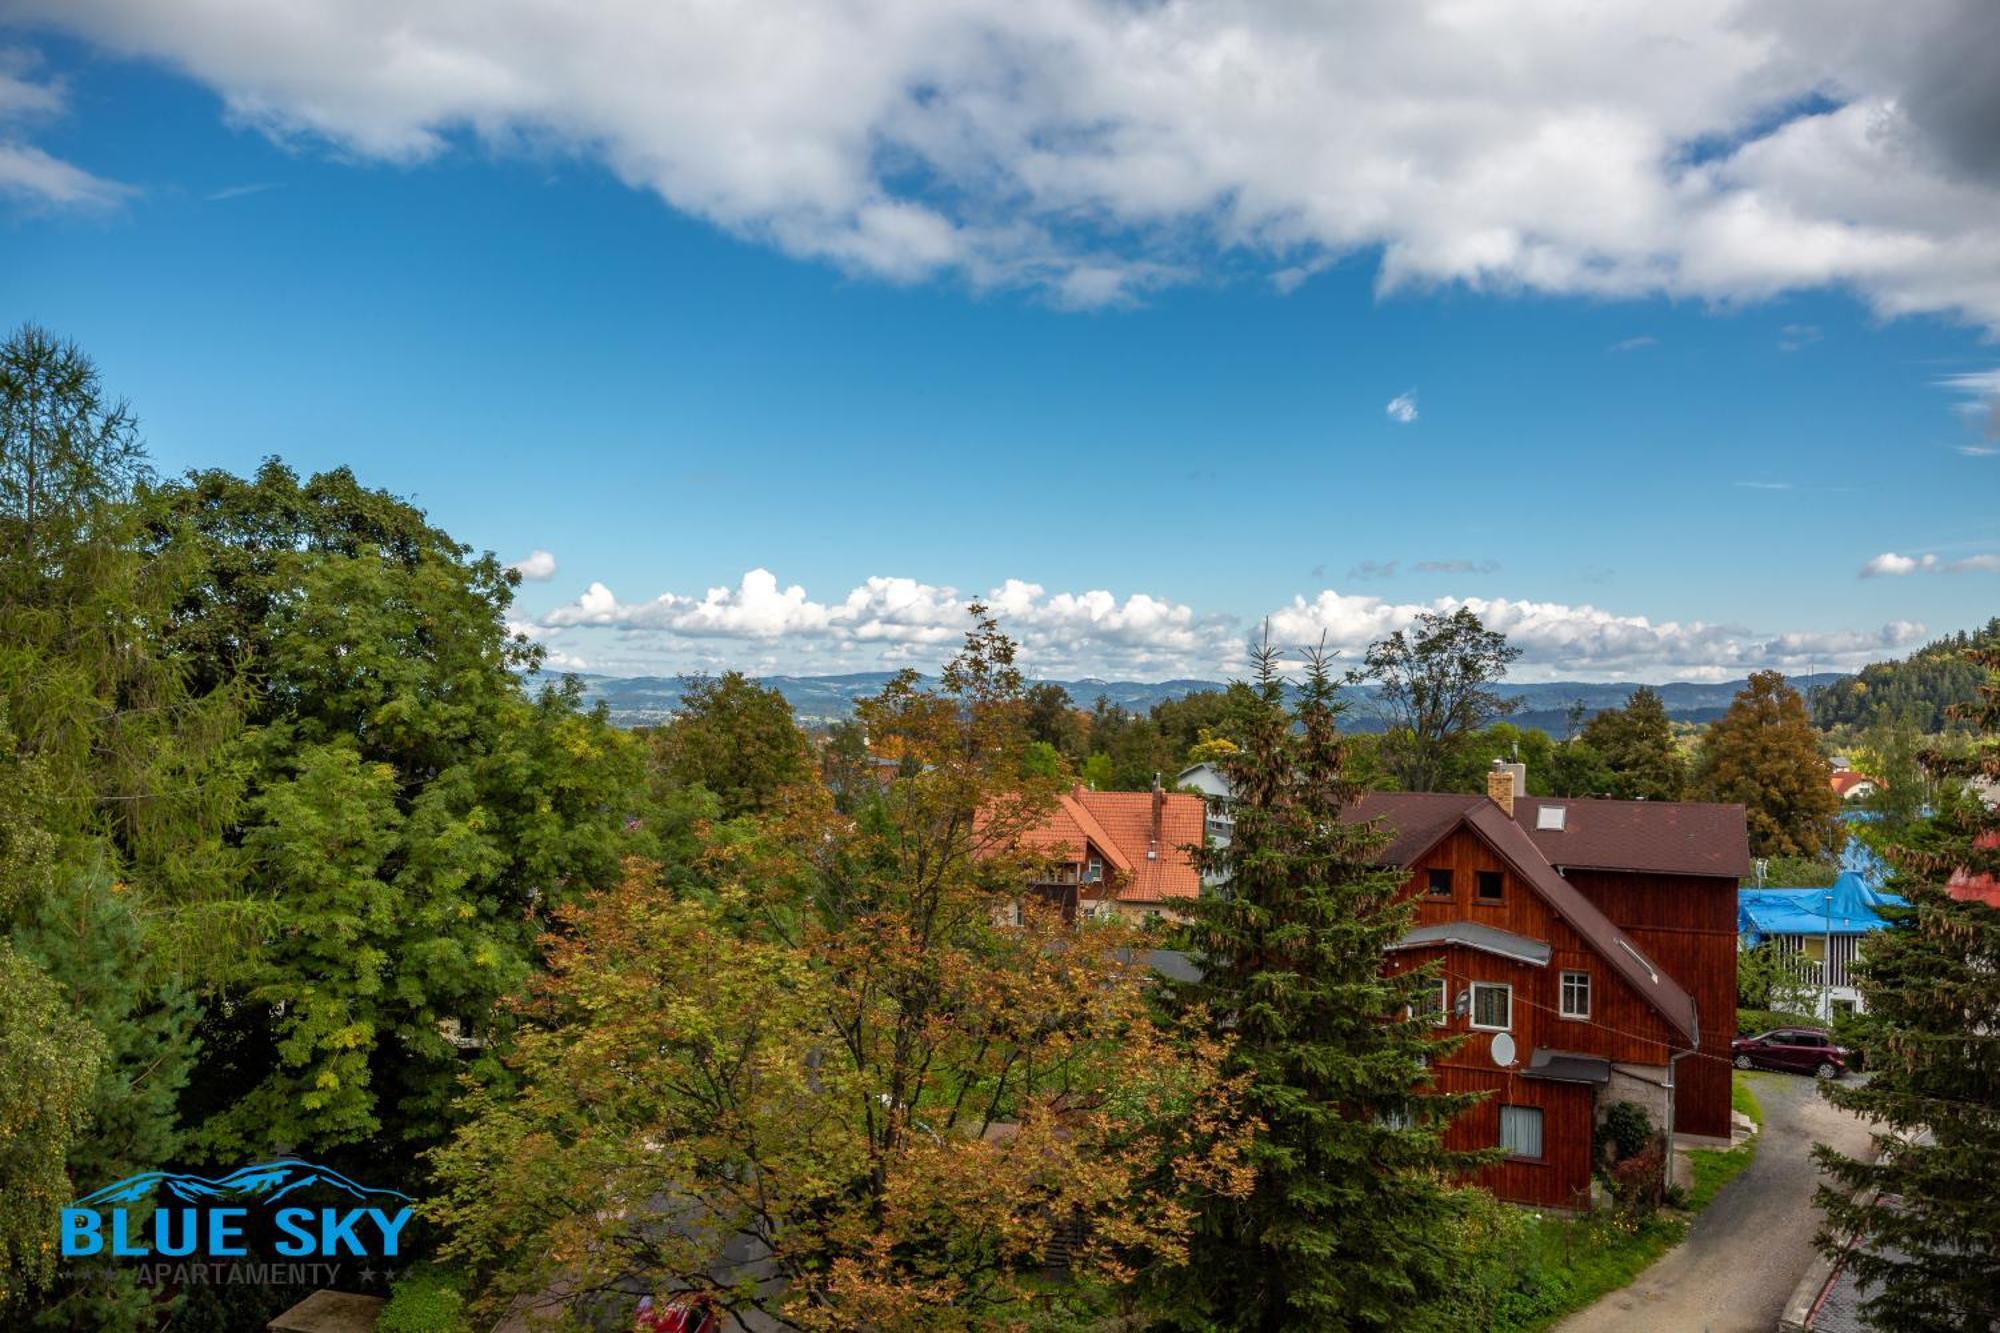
x=1541 y=1140
x=1562 y=995
x=1093 y=871
x=1473 y=1011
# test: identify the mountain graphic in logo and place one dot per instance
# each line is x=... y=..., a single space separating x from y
x=264 y=1183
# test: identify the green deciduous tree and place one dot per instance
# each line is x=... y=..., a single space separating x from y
x=1925 y=1211
x=49 y=1063
x=1348 y=1221
x=1435 y=686
x=411 y=811
x=1764 y=755
x=736 y=738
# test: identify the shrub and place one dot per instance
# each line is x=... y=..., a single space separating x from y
x=426 y=1301
x=1626 y=1131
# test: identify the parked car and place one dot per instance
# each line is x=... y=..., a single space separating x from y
x=1798 y=1050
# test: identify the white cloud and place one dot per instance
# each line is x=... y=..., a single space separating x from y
x=898 y=621
x=26 y=172
x=1563 y=641
x=1889 y=564
x=537 y=566
x=1403 y=407
x=1638 y=344
x=1096 y=150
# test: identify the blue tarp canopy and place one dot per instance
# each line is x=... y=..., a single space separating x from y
x=1851 y=910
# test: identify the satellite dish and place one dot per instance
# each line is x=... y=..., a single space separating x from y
x=1503 y=1049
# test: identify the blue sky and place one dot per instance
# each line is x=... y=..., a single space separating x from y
x=667 y=387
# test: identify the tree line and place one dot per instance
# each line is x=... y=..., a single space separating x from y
x=293 y=862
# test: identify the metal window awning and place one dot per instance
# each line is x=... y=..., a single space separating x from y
x=1568 y=1067
x=1474 y=935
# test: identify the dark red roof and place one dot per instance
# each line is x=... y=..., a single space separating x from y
x=1657 y=837
x=1651 y=837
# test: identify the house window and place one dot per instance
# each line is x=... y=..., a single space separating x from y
x=1439 y=883
x=1431 y=1000
x=1094 y=871
x=1521 y=1131
x=1489 y=886
x=1492 y=1006
x=1014 y=917
x=1575 y=1001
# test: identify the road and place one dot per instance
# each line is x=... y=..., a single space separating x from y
x=1746 y=1252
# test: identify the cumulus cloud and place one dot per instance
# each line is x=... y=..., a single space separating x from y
x=1563 y=641
x=537 y=566
x=1891 y=565
x=1099 y=150
x=895 y=621
x=28 y=173
x=1403 y=408
x=903 y=619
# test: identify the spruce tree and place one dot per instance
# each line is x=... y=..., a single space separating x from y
x=1925 y=1210
x=1347 y=1225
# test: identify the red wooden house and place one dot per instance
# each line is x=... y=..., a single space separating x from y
x=1588 y=948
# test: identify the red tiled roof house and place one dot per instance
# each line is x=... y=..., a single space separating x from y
x=1119 y=852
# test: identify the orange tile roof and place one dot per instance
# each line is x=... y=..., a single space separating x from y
x=1119 y=826
x=1846 y=780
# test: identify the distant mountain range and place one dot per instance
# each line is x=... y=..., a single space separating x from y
x=818 y=700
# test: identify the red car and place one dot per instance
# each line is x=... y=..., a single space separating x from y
x=1799 y=1050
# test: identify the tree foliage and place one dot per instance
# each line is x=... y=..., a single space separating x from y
x=737 y=739
x=410 y=811
x=1764 y=755
x=1636 y=746
x=1348 y=1221
x=871 y=1107
x=1924 y=1210
x=49 y=1062
x=1922 y=690
x=1435 y=686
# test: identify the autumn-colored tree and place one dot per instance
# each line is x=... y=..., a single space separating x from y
x=1764 y=755
x=1636 y=745
x=1434 y=684
x=1347 y=1226
x=878 y=1110
x=736 y=738
x=1921 y=1210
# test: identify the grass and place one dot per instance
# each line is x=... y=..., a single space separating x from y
x=1574 y=1262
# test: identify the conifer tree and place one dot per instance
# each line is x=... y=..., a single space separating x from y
x=1636 y=743
x=1925 y=1210
x=1346 y=1225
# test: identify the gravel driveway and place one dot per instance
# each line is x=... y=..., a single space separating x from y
x=1746 y=1252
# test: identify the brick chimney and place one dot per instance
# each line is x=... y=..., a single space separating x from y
x=1501 y=783
x=1159 y=811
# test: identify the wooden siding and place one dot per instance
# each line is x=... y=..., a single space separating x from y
x=1687 y=925
x=1622 y=1026
x=1561 y=1178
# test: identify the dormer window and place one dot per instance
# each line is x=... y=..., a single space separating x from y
x=1093 y=870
